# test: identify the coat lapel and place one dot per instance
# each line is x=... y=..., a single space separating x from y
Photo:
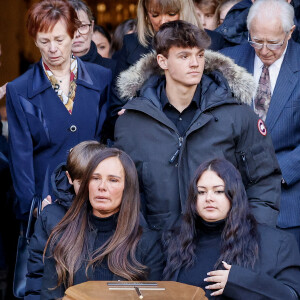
x=285 y=84
x=249 y=59
x=38 y=81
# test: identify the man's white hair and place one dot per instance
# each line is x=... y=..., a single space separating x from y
x=266 y=9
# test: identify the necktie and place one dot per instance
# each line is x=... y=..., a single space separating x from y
x=263 y=94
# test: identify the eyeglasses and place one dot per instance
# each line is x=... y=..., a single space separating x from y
x=269 y=46
x=84 y=28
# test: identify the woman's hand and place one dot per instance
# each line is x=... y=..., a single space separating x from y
x=219 y=277
x=121 y=112
x=46 y=201
x=3 y=90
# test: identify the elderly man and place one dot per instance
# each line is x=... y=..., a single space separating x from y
x=273 y=58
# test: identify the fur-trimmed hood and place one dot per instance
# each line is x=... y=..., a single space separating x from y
x=241 y=82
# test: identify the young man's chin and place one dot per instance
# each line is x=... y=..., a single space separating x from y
x=192 y=82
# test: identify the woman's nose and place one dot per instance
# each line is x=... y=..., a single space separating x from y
x=165 y=19
x=53 y=47
x=209 y=196
x=102 y=185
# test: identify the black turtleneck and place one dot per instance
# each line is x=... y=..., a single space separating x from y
x=94 y=57
x=207 y=252
x=105 y=228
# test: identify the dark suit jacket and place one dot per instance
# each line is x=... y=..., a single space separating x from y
x=40 y=127
x=283 y=124
x=276 y=274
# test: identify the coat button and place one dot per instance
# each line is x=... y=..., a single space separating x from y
x=73 y=128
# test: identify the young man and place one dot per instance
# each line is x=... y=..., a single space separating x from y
x=183 y=117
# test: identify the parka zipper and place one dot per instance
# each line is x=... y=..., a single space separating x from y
x=244 y=160
x=175 y=155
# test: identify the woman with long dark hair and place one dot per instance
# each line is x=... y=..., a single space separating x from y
x=100 y=238
x=219 y=237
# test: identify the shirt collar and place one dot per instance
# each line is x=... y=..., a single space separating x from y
x=165 y=101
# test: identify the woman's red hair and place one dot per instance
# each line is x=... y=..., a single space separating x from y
x=44 y=15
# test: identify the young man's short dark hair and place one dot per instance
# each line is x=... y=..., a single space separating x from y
x=179 y=34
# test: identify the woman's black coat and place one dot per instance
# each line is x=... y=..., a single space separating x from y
x=49 y=218
x=148 y=253
x=276 y=274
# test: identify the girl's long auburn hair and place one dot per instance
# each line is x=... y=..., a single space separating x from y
x=239 y=239
x=68 y=242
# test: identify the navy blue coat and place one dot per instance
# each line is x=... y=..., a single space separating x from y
x=41 y=130
x=283 y=124
x=234 y=28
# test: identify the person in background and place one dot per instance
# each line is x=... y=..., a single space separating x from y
x=55 y=105
x=102 y=39
x=219 y=246
x=126 y=27
x=83 y=44
x=223 y=8
x=84 y=47
x=206 y=10
x=272 y=57
x=151 y=14
x=234 y=27
x=100 y=238
x=66 y=181
x=188 y=105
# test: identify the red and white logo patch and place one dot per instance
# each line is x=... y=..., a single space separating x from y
x=262 y=127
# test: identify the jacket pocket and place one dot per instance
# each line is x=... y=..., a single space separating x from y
x=255 y=163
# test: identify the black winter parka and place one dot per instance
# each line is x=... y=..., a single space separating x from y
x=48 y=219
x=222 y=127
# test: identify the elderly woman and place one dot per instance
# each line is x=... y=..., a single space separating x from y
x=83 y=44
x=151 y=15
x=54 y=105
x=220 y=247
x=100 y=238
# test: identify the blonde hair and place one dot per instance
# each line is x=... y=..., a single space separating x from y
x=185 y=8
